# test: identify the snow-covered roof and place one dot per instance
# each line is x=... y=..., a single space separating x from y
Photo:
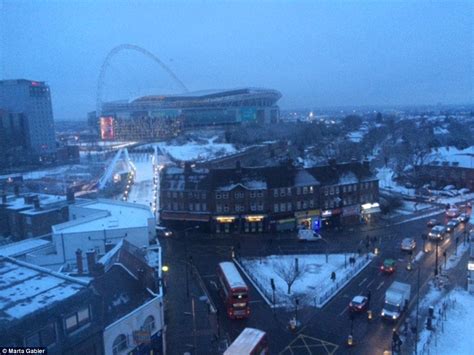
x=232 y=274
x=23 y=247
x=26 y=288
x=303 y=178
x=463 y=158
x=110 y=214
x=245 y=342
x=348 y=177
x=246 y=184
x=19 y=202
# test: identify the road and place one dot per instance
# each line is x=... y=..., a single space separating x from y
x=326 y=330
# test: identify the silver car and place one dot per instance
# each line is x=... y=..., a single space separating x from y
x=408 y=244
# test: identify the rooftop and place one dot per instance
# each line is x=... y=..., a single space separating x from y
x=23 y=247
x=25 y=201
x=110 y=214
x=26 y=288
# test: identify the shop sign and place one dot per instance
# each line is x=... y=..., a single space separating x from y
x=306 y=214
x=351 y=210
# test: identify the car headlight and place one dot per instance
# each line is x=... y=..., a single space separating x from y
x=394 y=316
x=383 y=313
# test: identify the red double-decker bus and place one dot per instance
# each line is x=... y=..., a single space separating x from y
x=250 y=342
x=234 y=290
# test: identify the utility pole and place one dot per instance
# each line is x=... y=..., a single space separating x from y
x=417 y=309
x=194 y=327
x=436 y=258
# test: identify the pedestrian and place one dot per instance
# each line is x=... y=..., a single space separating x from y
x=369 y=295
x=333 y=276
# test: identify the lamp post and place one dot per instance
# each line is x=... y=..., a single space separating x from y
x=436 y=258
x=297 y=302
x=186 y=256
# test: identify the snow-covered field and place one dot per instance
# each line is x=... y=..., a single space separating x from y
x=453 y=329
x=387 y=181
x=408 y=207
x=315 y=286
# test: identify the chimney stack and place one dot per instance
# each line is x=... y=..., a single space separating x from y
x=36 y=202
x=91 y=260
x=70 y=197
x=109 y=246
x=80 y=265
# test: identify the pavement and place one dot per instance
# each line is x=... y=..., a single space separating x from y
x=321 y=331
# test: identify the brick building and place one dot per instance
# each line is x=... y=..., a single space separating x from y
x=261 y=199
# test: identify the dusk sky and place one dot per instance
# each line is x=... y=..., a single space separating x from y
x=317 y=53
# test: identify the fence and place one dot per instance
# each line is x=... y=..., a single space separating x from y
x=438 y=326
x=319 y=299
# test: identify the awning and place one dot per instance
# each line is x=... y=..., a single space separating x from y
x=179 y=216
x=372 y=210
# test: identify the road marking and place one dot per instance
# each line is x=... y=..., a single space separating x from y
x=362 y=281
x=256 y=301
x=381 y=284
x=370 y=283
x=343 y=311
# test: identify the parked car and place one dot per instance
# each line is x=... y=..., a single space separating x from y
x=163 y=232
x=463 y=218
x=308 y=235
x=408 y=244
x=451 y=225
x=388 y=266
x=453 y=212
x=432 y=222
x=437 y=233
x=359 y=304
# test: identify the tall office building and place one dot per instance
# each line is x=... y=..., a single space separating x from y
x=32 y=100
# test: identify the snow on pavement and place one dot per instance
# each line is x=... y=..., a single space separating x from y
x=454 y=331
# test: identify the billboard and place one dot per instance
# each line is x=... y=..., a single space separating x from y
x=107 y=128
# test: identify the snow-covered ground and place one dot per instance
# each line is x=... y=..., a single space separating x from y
x=453 y=333
x=408 y=207
x=51 y=172
x=315 y=286
x=387 y=181
x=194 y=150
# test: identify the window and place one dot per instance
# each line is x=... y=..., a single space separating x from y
x=282 y=192
x=311 y=189
x=196 y=195
x=168 y=194
x=326 y=191
x=253 y=207
x=311 y=203
x=260 y=206
x=149 y=324
x=337 y=189
x=203 y=195
x=197 y=206
x=204 y=206
x=44 y=338
x=305 y=204
x=218 y=195
x=175 y=194
x=305 y=190
x=298 y=205
x=349 y=188
x=288 y=206
x=275 y=193
x=191 y=207
x=283 y=207
x=226 y=208
x=331 y=190
x=225 y=195
x=260 y=193
x=78 y=319
x=355 y=187
x=219 y=207
x=288 y=191
x=326 y=205
x=175 y=206
x=252 y=194
x=298 y=190
x=344 y=188
x=190 y=195
x=181 y=195
x=276 y=207
x=120 y=344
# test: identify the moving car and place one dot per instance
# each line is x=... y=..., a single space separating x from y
x=388 y=266
x=359 y=304
x=163 y=231
x=432 y=222
x=453 y=212
x=464 y=218
x=397 y=297
x=451 y=225
x=437 y=233
x=308 y=235
x=408 y=244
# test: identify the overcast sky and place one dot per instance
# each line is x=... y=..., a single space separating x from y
x=317 y=53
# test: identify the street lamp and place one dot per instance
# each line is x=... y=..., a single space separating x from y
x=186 y=256
x=436 y=258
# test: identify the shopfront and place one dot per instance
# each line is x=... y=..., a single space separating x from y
x=253 y=224
x=350 y=215
x=284 y=225
x=307 y=219
x=331 y=218
x=226 y=224
x=370 y=211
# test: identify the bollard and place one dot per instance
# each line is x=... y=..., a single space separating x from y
x=369 y=315
x=350 y=340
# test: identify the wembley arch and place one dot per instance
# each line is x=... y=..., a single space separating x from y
x=129 y=47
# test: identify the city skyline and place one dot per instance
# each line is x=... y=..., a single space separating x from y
x=317 y=54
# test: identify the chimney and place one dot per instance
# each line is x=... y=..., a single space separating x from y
x=16 y=190
x=80 y=265
x=36 y=202
x=109 y=246
x=70 y=196
x=91 y=259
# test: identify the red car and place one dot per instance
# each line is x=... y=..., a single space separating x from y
x=359 y=304
x=388 y=266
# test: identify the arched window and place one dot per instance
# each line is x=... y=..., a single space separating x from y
x=120 y=344
x=149 y=324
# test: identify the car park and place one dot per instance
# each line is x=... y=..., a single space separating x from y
x=408 y=244
x=359 y=304
x=451 y=225
x=388 y=266
x=163 y=232
x=437 y=233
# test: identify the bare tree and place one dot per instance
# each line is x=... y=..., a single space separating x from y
x=289 y=272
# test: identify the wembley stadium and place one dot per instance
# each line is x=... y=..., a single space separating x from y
x=162 y=116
